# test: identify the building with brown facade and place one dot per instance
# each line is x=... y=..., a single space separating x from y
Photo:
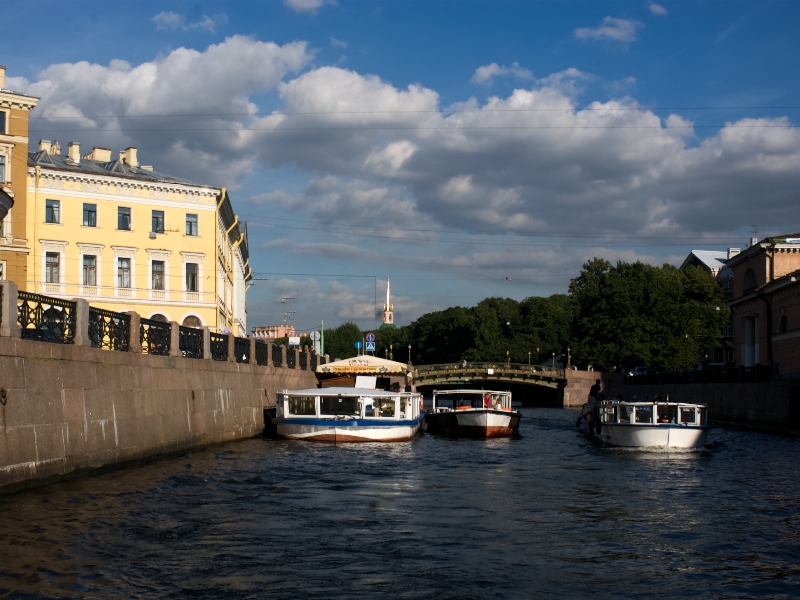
x=766 y=304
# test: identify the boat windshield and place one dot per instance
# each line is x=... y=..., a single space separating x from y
x=462 y=401
x=302 y=405
x=688 y=414
x=338 y=405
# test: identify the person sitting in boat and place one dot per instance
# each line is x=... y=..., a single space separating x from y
x=487 y=401
x=498 y=404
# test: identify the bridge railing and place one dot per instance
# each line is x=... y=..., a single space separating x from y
x=496 y=368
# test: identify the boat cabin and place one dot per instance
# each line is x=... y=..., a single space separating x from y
x=449 y=400
x=654 y=413
x=332 y=403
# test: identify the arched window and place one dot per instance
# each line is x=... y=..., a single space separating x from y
x=159 y=317
x=784 y=325
x=750 y=283
x=192 y=321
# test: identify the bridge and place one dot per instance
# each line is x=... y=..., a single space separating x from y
x=472 y=372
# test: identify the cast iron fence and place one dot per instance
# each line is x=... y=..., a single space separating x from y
x=277 y=355
x=291 y=358
x=304 y=361
x=219 y=346
x=713 y=374
x=46 y=319
x=241 y=348
x=314 y=362
x=190 y=342
x=261 y=353
x=154 y=336
x=108 y=329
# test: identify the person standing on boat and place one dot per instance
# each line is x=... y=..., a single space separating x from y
x=589 y=410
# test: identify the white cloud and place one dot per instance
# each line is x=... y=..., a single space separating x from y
x=620 y=30
x=307 y=6
x=657 y=9
x=486 y=73
x=170 y=21
x=338 y=43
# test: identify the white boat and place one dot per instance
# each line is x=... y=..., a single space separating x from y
x=472 y=413
x=652 y=424
x=340 y=415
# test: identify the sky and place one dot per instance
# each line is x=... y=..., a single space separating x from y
x=463 y=148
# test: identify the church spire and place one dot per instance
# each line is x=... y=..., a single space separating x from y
x=388 y=309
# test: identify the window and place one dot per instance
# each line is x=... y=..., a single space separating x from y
x=302 y=405
x=124 y=218
x=191 y=277
x=192 y=321
x=191 y=224
x=124 y=272
x=158 y=274
x=784 y=326
x=158 y=221
x=2 y=271
x=2 y=121
x=89 y=270
x=750 y=283
x=160 y=318
x=90 y=215
x=51 y=267
x=52 y=211
x=3 y=173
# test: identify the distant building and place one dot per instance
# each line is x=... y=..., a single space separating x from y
x=388 y=311
x=273 y=332
x=766 y=303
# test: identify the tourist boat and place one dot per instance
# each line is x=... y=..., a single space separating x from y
x=652 y=424
x=348 y=415
x=472 y=413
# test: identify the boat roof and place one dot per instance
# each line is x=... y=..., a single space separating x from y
x=344 y=391
x=471 y=392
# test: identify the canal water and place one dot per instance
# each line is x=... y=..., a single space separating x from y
x=546 y=515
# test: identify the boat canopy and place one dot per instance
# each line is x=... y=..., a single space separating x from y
x=364 y=365
x=345 y=391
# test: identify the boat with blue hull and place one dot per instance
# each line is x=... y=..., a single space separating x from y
x=339 y=415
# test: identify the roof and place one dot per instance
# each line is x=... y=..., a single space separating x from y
x=710 y=259
x=365 y=365
x=762 y=245
x=116 y=168
x=344 y=391
x=388 y=326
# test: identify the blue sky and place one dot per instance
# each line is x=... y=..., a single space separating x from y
x=451 y=145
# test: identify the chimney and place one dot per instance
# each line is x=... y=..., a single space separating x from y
x=733 y=252
x=74 y=152
x=128 y=156
x=2 y=77
x=100 y=154
x=753 y=241
x=44 y=145
x=147 y=167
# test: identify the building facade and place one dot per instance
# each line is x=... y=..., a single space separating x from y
x=766 y=303
x=14 y=113
x=126 y=237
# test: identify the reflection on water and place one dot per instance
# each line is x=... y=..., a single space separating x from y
x=547 y=514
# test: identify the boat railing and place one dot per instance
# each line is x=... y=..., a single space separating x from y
x=653 y=413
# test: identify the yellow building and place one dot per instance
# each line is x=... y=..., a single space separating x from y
x=126 y=237
x=14 y=111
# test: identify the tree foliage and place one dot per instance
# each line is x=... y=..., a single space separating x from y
x=634 y=313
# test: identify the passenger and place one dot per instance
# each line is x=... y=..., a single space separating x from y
x=487 y=400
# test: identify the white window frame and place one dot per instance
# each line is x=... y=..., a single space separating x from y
x=3 y=273
x=56 y=247
x=197 y=258
x=97 y=252
x=163 y=256
x=5 y=151
x=60 y=220
x=124 y=252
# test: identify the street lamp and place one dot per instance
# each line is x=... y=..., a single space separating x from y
x=554 y=360
x=529 y=358
x=391 y=353
x=409 y=354
x=568 y=360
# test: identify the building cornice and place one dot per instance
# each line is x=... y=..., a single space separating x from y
x=19 y=101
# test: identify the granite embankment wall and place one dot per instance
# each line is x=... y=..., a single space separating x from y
x=576 y=391
x=68 y=409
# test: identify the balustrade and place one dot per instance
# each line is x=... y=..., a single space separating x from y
x=219 y=346
x=108 y=329
x=46 y=319
x=190 y=342
x=154 y=336
x=241 y=349
x=261 y=353
x=291 y=358
x=277 y=355
x=304 y=361
x=314 y=362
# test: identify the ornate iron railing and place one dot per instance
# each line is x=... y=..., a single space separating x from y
x=190 y=342
x=304 y=361
x=291 y=358
x=314 y=362
x=46 y=319
x=108 y=329
x=155 y=336
x=241 y=349
x=710 y=374
x=482 y=368
x=277 y=355
x=219 y=346
x=261 y=353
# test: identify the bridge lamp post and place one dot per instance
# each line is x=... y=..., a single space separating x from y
x=554 y=360
x=529 y=358
x=409 y=354
x=568 y=359
x=391 y=353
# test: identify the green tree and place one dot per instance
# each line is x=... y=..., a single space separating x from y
x=441 y=337
x=340 y=341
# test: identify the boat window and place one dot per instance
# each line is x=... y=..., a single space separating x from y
x=608 y=414
x=404 y=408
x=386 y=407
x=446 y=401
x=701 y=415
x=644 y=414
x=302 y=405
x=687 y=414
x=625 y=415
x=338 y=405
x=666 y=414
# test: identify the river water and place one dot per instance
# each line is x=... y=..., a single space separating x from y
x=546 y=515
